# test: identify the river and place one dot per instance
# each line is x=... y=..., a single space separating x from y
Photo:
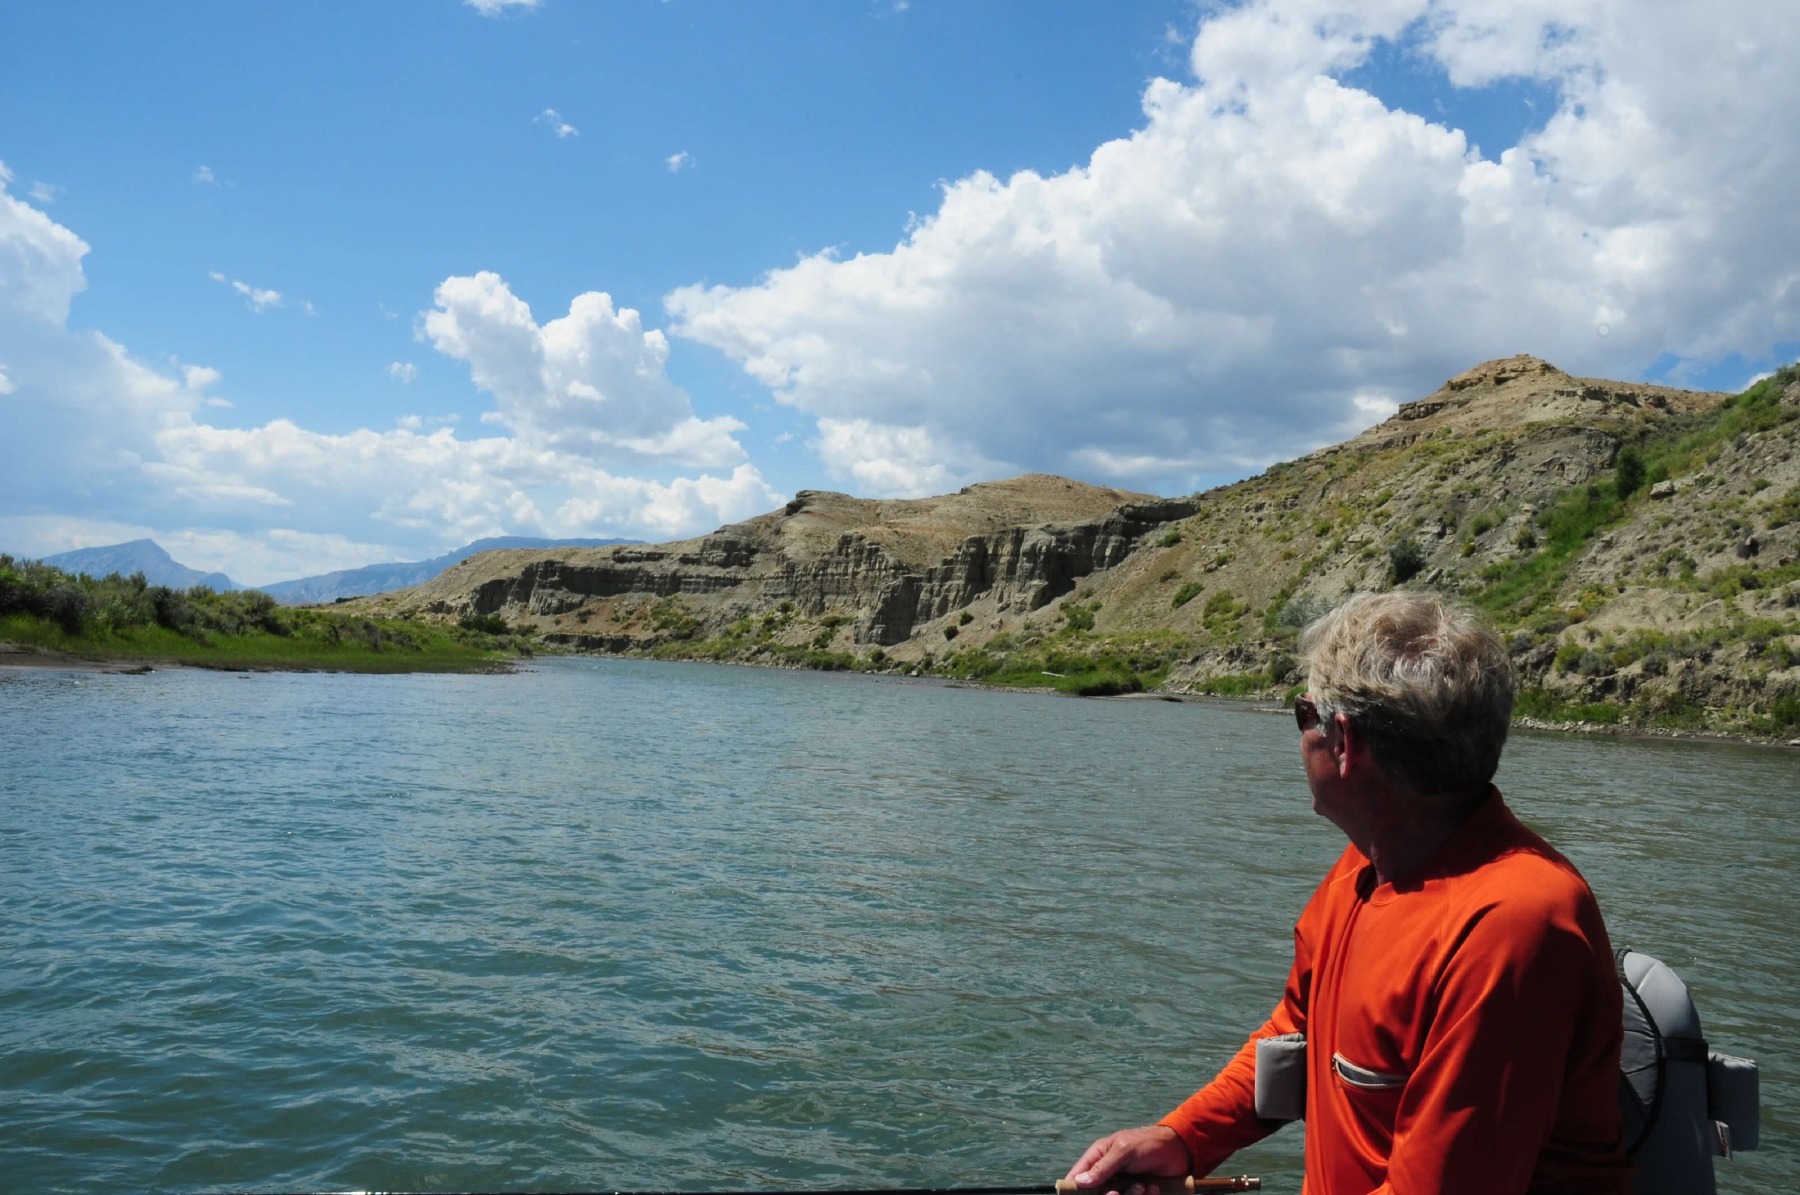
x=608 y=923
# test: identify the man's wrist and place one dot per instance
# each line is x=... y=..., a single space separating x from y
x=1187 y=1152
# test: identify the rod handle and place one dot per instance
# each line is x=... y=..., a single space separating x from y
x=1163 y=1185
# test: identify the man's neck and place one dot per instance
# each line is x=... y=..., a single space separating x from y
x=1410 y=829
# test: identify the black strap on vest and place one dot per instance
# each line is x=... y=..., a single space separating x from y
x=1685 y=1049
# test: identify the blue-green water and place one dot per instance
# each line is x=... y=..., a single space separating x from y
x=613 y=923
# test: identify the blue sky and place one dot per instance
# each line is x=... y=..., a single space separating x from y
x=293 y=287
x=359 y=154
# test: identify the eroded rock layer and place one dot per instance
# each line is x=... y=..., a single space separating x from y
x=882 y=567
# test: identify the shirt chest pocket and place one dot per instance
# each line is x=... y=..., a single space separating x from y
x=1370 y=1096
x=1368 y=1057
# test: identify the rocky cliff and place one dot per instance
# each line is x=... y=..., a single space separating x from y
x=879 y=569
x=1637 y=544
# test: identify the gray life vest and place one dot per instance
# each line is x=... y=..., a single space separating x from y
x=1680 y=1104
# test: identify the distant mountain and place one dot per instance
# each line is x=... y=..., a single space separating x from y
x=139 y=556
x=380 y=578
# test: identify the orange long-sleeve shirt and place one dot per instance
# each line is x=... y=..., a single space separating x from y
x=1462 y=1028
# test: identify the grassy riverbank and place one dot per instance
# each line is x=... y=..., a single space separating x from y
x=124 y=620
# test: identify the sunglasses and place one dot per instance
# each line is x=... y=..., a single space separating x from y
x=1306 y=714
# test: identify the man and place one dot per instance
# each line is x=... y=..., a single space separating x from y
x=1451 y=972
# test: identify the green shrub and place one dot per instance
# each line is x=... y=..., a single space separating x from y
x=1676 y=711
x=1282 y=667
x=1107 y=682
x=1784 y=713
x=1406 y=558
x=1731 y=580
x=1235 y=684
x=1785 y=510
x=1298 y=613
x=1187 y=593
x=672 y=618
x=1629 y=471
x=1222 y=612
x=1533 y=702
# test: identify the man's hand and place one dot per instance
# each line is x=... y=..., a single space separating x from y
x=1153 y=1149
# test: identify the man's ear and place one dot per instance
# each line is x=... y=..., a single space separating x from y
x=1348 y=750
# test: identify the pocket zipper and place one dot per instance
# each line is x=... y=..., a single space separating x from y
x=1363 y=1078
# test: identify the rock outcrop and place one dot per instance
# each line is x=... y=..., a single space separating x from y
x=882 y=568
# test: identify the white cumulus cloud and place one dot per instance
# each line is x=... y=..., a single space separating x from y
x=1275 y=256
x=592 y=381
x=677 y=162
x=40 y=262
x=495 y=8
x=404 y=372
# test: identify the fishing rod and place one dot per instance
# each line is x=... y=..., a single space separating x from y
x=1151 y=1185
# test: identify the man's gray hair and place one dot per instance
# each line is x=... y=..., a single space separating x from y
x=1428 y=686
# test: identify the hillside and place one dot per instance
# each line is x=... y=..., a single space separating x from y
x=1636 y=543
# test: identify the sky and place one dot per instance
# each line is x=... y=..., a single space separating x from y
x=296 y=287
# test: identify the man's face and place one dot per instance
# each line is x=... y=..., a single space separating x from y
x=1320 y=742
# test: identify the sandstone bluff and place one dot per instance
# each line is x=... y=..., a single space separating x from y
x=887 y=569
x=1636 y=542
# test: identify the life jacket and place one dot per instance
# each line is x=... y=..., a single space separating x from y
x=1680 y=1104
